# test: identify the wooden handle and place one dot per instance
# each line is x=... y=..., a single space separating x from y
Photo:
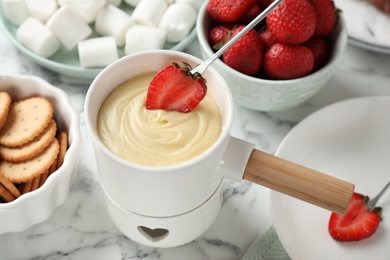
x=299 y=181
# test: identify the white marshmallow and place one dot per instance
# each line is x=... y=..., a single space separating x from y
x=132 y=2
x=87 y=9
x=170 y=1
x=41 y=9
x=112 y=21
x=149 y=12
x=195 y=3
x=97 y=52
x=68 y=26
x=15 y=10
x=33 y=34
x=178 y=21
x=114 y=2
x=141 y=38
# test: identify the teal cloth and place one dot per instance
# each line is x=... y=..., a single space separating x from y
x=267 y=247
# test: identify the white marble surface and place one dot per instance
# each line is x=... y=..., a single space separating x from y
x=81 y=228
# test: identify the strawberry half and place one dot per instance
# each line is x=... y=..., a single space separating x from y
x=174 y=88
x=357 y=223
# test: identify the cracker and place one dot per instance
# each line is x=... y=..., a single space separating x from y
x=9 y=185
x=5 y=103
x=26 y=186
x=35 y=182
x=31 y=149
x=44 y=176
x=6 y=194
x=53 y=166
x=28 y=170
x=26 y=120
x=63 y=142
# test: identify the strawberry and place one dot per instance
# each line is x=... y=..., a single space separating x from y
x=246 y=54
x=174 y=88
x=228 y=11
x=267 y=38
x=264 y=3
x=286 y=61
x=383 y=5
x=326 y=16
x=357 y=223
x=251 y=14
x=219 y=34
x=292 y=21
x=319 y=48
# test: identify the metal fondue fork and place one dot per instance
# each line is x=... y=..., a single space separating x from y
x=372 y=202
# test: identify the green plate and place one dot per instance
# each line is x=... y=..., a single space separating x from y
x=66 y=62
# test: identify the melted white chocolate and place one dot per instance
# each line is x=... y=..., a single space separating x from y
x=155 y=137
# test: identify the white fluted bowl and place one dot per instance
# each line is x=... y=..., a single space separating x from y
x=38 y=205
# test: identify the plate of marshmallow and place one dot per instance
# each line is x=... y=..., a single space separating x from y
x=79 y=38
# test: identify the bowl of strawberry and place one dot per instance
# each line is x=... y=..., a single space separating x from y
x=284 y=60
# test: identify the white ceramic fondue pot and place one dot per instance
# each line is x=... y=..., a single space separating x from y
x=157 y=191
x=170 y=191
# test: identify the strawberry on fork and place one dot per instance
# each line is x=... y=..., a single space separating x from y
x=175 y=88
x=181 y=88
x=359 y=221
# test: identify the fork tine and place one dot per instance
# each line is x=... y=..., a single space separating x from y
x=371 y=204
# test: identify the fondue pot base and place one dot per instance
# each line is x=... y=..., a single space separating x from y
x=168 y=231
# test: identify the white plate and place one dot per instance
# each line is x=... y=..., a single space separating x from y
x=349 y=140
x=367 y=26
x=66 y=62
x=368 y=46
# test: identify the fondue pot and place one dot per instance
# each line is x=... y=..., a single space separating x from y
x=172 y=205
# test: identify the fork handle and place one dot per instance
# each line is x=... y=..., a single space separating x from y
x=299 y=181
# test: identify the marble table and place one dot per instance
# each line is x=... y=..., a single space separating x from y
x=81 y=227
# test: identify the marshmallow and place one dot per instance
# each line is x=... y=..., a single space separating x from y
x=141 y=38
x=112 y=21
x=132 y=2
x=114 y=2
x=41 y=9
x=149 y=12
x=195 y=3
x=178 y=21
x=97 y=52
x=170 y=1
x=87 y=9
x=33 y=34
x=15 y=10
x=68 y=26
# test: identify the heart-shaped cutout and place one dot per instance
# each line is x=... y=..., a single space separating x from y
x=153 y=234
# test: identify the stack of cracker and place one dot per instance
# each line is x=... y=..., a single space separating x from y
x=30 y=148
